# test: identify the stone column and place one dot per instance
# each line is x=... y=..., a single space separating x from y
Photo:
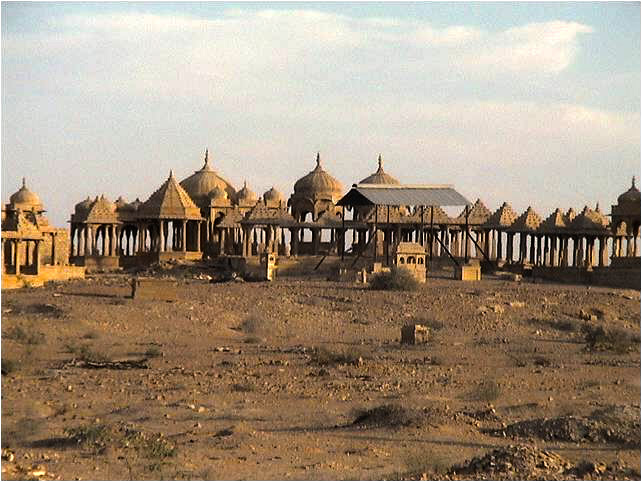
x=553 y=253
x=53 y=249
x=2 y=256
x=72 y=244
x=184 y=236
x=17 y=256
x=603 y=261
x=316 y=235
x=198 y=236
x=36 y=257
x=161 y=236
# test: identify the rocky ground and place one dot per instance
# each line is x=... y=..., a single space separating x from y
x=306 y=379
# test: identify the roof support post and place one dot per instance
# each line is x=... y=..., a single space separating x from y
x=432 y=241
x=387 y=237
x=375 y=232
x=343 y=232
x=467 y=237
x=422 y=225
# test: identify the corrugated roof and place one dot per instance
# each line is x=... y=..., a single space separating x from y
x=402 y=195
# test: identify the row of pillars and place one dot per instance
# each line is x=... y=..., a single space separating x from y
x=14 y=248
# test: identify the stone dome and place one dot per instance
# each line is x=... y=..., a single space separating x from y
x=318 y=182
x=217 y=193
x=134 y=205
x=103 y=204
x=272 y=195
x=202 y=182
x=120 y=203
x=25 y=199
x=83 y=206
x=379 y=176
x=630 y=196
x=245 y=195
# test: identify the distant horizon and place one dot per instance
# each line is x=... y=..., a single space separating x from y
x=535 y=104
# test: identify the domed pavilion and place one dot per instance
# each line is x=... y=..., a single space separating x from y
x=315 y=193
x=200 y=184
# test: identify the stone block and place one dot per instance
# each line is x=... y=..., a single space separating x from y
x=414 y=334
x=154 y=289
x=468 y=272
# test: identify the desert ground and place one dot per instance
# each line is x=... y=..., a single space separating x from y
x=307 y=379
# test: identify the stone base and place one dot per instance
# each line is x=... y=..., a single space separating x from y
x=154 y=289
x=414 y=334
x=468 y=272
x=47 y=273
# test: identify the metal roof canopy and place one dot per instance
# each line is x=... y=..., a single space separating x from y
x=403 y=195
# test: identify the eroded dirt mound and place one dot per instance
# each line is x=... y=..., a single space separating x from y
x=530 y=463
x=515 y=462
x=603 y=426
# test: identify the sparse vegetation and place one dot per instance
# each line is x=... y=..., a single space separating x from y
x=91 y=335
x=153 y=352
x=253 y=325
x=9 y=366
x=252 y=339
x=26 y=336
x=85 y=353
x=486 y=391
x=92 y=437
x=243 y=387
x=348 y=356
x=419 y=463
x=391 y=415
x=598 y=338
x=398 y=279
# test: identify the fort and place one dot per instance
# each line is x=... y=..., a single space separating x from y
x=205 y=217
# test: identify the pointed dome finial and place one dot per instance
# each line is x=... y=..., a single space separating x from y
x=633 y=182
x=207 y=156
x=24 y=181
x=245 y=183
x=318 y=159
x=597 y=206
x=171 y=173
x=380 y=163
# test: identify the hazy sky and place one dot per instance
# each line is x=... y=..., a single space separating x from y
x=535 y=103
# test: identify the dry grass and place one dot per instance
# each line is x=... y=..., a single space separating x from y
x=398 y=279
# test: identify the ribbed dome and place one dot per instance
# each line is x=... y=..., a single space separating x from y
x=135 y=204
x=25 y=199
x=245 y=195
x=630 y=196
x=380 y=176
x=318 y=181
x=104 y=205
x=217 y=193
x=202 y=182
x=272 y=195
x=83 y=206
x=120 y=203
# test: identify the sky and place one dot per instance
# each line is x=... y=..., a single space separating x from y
x=532 y=103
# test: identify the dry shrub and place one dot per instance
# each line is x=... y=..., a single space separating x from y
x=26 y=336
x=347 y=356
x=398 y=279
x=598 y=338
x=254 y=325
x=486 y=391
x=391 y=415
x=86 y=353
x=9 y=366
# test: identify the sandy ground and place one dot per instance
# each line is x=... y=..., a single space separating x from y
x=236 y=388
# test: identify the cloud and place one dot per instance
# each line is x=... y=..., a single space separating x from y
x=267 y=53
x=266 y=89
